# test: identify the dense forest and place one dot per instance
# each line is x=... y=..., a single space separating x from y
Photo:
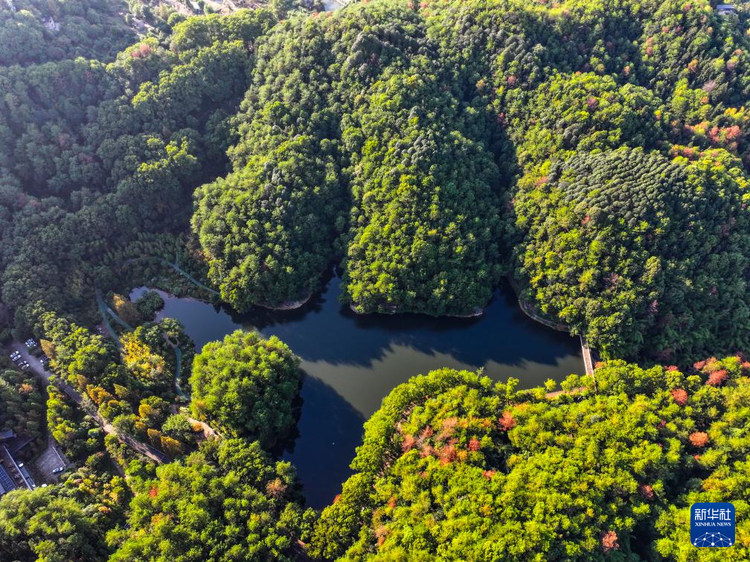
x=246 y=385
x=594 y=153
x=454 y=467
x=396 y=141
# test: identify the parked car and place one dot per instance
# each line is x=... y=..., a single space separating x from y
x=15 y=356
x=31 y=343
x=58 y=470
x=44 y=360
x=24 y=365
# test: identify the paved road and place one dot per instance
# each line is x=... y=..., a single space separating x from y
x=105 y=308
x=51 y=458
x=178 y=368
x=44 y=375
x=36 y=365
x=104 y=311
x=189 y=277
x=176 y=266
x=208 y=431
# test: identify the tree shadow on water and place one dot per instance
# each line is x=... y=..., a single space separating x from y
x=327 y=330
x=330 y=429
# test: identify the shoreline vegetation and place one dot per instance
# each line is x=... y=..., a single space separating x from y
x=429 y=148
x=528 y=309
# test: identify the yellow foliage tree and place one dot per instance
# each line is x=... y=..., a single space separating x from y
x=171 y=446
x=48 y=348
x=126 y=310
x=146 y=366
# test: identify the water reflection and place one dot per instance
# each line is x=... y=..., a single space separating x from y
x=351 y=362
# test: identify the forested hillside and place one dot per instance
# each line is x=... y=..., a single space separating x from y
x=97 y=156
x=429 y=161
x=595 y=153
x=455 y=467
x=399 y=142
x=38 y=31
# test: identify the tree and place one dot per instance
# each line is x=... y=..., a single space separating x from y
x=154 y=411
x=235 y=516
x=126 y=310
x=178 y=427
x=76 y=433
x=45 y=525
x=604 y=250
x=21 y=404
x=268 y=229
x=147 y=367
x=149 y=304
x=598 y=471
x=247 y=385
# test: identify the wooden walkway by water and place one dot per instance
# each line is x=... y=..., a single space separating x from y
x=588 y=360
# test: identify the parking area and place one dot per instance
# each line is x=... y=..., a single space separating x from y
x=49 y=462
x=46 y=467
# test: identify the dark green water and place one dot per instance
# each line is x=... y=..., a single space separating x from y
x=352 y=362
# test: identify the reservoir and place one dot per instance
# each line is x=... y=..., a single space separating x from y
x=351 y=362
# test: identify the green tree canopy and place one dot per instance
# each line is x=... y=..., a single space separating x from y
x=227 y=501
x=454 y=466
x=605 y=250
x=247 y=385
x=45 y=525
